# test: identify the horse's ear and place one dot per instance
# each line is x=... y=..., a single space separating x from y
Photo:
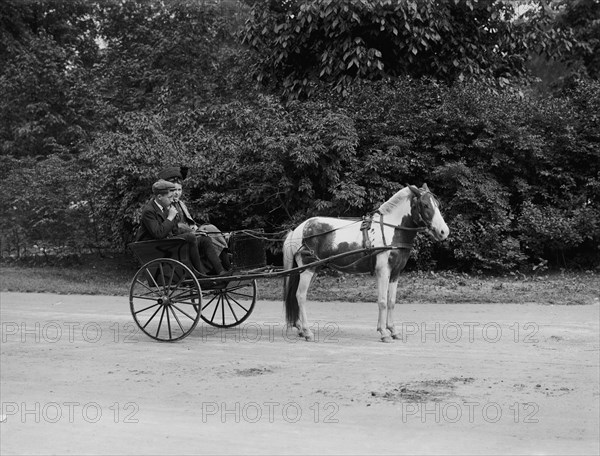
x=415 y=190
x=425 y=187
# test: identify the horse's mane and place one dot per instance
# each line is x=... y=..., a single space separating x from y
x=394 y=201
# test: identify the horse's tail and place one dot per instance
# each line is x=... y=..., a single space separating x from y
x=290 y=282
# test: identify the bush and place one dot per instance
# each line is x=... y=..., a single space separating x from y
x=47 y=212
x=515 y=173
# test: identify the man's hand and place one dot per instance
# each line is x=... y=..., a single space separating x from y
x=172 y=213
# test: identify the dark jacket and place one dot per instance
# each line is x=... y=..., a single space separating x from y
x=183 y=213
x=154 y=224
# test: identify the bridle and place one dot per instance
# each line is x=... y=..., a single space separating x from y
x=417 y=209
x=416 y=214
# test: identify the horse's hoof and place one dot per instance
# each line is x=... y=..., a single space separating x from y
x=397 y=336
x=386 y=339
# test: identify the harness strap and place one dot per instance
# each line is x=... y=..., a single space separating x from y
x=382 y=224
x=367 y=244
x=365 y=226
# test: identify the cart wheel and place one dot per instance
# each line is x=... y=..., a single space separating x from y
x=165 y=300
x=230 y=305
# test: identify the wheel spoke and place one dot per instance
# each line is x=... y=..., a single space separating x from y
x=215 y=311
x=178 y=284
x=171 y=278
x=162 y=277
x=160 y=322
x=145 y=297
x=177 y=319
x=146 y=308
x=231 y=298
x=226 y=298
x=241 y=295
x=168 y=322
x=153 y=315
x=152 y=277
x=210 y=302
x=222 y=302
x=186 y=294
x=184 y=313
x=151 y=290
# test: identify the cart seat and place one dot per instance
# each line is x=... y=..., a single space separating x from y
x=174 y=248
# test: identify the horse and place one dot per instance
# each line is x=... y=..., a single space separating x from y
x=381 y=241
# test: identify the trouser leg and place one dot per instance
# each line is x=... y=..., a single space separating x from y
x=224 y=256
x=193 y=252
x=206 y=246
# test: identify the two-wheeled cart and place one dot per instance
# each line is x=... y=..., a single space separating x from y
x=168 y=297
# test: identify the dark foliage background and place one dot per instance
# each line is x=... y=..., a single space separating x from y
x=289 y=109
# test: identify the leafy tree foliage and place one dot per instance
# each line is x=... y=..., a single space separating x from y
x=493 y=156
x=98 y=96
x=164 y=55
x=46 y=213
x=518 y=175
x=47 y=105
x=274 y=165
x=338 y=42
x=583 y=16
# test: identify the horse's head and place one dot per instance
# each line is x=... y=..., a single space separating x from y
x=425 y=211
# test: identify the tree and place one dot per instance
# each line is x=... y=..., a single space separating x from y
x=583 y=16
x=160 y=56
x=299 y=43
x=47 y=103
x=47 y=211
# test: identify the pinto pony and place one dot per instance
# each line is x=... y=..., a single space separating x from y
x=382 y=242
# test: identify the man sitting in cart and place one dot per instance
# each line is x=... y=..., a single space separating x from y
x=159 y=220
x=176 y=175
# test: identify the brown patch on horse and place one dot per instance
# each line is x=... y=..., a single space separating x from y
x=399 y=258
x=397 y=261
x=319 y=238
x=427 y=208
x=422 y=209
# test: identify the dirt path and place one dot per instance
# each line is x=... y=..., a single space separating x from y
x=78 y=378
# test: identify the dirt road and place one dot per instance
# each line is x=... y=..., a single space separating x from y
x=78 y=378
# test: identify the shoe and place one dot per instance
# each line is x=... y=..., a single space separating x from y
x=220 y=280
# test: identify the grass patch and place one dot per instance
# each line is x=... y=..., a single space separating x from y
x=449 y=287
x=112 y=276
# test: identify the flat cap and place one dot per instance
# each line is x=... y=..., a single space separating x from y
x=162 y=186
x=173 y=172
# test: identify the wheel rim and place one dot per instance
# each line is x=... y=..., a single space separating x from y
x=231 y=305
x=164 y=299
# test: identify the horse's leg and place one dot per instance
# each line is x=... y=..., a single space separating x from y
x=302 y=324
x=383 y=280
x=392 y=290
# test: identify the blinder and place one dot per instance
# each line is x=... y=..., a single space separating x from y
x=422 y=215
